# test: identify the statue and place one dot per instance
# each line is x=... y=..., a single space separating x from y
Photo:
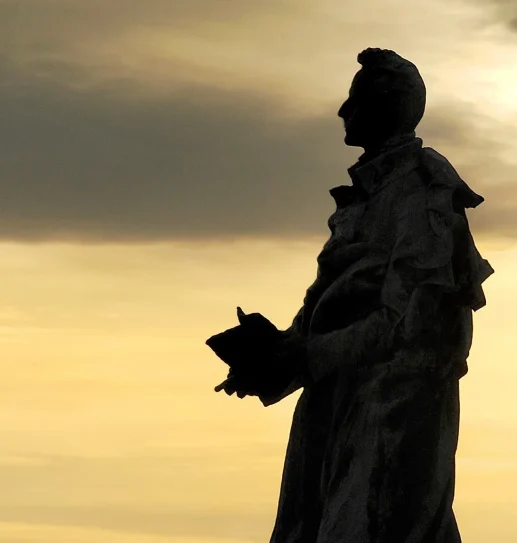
x=382 y=338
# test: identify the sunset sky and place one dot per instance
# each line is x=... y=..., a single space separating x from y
x=164 y=162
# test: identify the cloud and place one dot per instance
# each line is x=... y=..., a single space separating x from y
x=89 y=156
x=201 y=164
x=504 y=11
x=93 y=167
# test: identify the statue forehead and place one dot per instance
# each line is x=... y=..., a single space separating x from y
x=363 y=84
x=358 y=82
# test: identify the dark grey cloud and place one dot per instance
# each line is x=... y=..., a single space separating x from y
x=96 y=165
x=203 y=163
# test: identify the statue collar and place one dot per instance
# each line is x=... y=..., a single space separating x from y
x=370 y=176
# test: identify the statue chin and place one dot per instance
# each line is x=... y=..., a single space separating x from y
x=352 y=141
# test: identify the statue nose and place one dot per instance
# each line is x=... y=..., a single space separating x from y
x=346 y=110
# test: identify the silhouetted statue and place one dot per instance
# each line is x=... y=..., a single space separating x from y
x=382 y=338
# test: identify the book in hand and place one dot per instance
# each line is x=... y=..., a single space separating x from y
x=245 y=346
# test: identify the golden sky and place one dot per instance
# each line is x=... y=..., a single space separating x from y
x=165 y=162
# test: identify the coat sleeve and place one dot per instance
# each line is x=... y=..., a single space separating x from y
x=297 y=381
x=427 y=261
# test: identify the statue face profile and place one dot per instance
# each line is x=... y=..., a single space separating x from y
x=353 y=112
x=365 y=114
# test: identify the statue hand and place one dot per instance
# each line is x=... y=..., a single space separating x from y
x=285 y=362
x=242 y=385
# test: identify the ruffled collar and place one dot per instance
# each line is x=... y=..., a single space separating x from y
x=369 y=175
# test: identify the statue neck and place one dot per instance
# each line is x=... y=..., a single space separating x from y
x=375 y=149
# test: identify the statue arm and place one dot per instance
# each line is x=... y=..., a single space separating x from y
x=368 y=339
x=365 y=341
x=411 y=302
x=296 y=383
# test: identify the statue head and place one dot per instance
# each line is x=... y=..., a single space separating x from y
x=386 y=99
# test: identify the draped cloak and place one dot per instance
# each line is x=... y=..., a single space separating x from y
x=388 y=325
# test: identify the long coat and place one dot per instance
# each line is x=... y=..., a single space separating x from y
x=388 y=326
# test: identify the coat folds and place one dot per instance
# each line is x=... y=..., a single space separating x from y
x=388 y=326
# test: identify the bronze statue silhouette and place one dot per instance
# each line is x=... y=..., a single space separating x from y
x=382 y=338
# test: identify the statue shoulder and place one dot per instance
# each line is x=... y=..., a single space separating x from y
x=440 y=175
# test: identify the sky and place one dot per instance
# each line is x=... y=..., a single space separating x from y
x=162 y=163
